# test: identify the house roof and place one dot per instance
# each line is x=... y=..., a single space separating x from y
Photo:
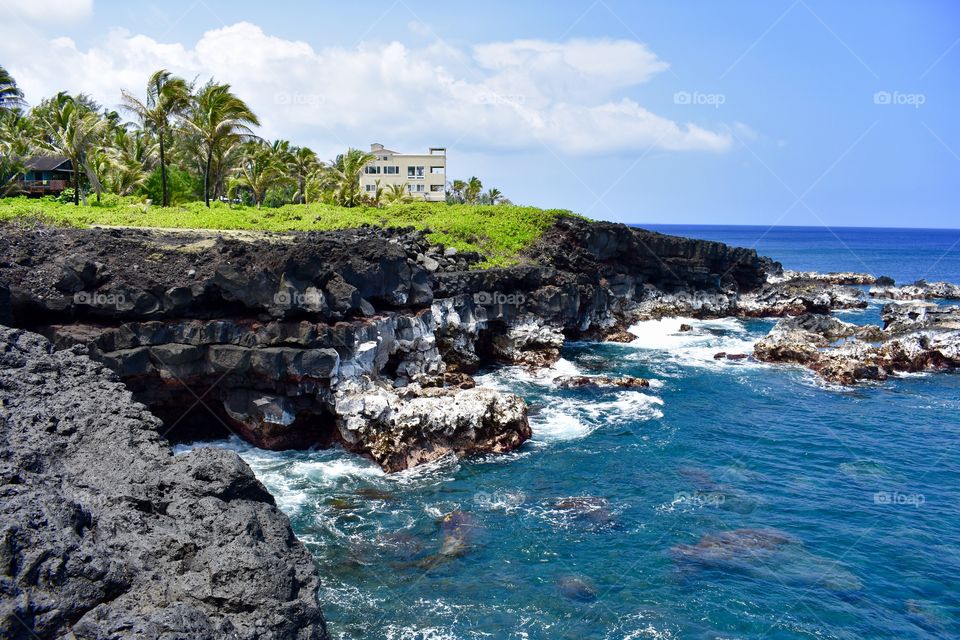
x=46 y=163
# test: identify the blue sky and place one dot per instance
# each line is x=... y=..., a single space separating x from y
x=806 y=112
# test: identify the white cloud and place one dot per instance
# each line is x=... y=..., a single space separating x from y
x=58 y=11
x=507 y=95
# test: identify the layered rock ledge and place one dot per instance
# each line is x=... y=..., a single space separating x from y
x=106 y=534
x=363 y=338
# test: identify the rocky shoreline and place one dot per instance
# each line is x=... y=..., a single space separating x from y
x=367 y=338
x=106 y=534
x=364 y=339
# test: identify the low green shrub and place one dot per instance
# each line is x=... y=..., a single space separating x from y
x=500 y=232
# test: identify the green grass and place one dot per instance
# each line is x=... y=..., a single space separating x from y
x=499 y=232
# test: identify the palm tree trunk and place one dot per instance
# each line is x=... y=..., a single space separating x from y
x=206 y=179
x=76 y=183
x=164 y=197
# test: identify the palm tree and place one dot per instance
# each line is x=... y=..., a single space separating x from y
x=319 y=185
x=11 y=167
x=302 y=164
x=397 y=194
x=133 y=154
x=167 y=96
x=17 y=133
x=374 y=197
x=10 y=94
x=73 y=130
x=102 y=166
x=457 y=188
x=473 y=189
x=261 y=168
x=492 y=196
x=343 y=177
x=17 y=141
x=219 y=119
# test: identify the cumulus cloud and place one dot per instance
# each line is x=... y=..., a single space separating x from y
x=509 y=95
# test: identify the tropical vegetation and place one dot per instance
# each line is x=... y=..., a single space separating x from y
x=174 y=142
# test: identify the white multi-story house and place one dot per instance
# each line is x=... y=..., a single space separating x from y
x=423 y=175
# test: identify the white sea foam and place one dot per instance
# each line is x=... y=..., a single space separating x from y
x=293 y=480
x=332 y=472
x=696 y=347
x=393 y=632
x=507 y=378
x=572 y=418
x=558 y=423
x=430 y=473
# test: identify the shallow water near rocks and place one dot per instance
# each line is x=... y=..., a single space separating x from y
x=731 y=499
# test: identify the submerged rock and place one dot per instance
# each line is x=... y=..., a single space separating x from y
x=592 y=511
x=576 y=588
x=734 y=546
x=459 y=530
x=108 y=535
x=767 y=554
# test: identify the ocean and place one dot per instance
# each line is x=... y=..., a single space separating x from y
x=906 y=255
x=731 y=499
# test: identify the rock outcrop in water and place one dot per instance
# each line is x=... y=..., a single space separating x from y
x=106 y=534
x=915 y=337
x=353 y=338
x=781 y=295
x=920 y=290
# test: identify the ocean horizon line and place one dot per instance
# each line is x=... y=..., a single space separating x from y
x=784 y=227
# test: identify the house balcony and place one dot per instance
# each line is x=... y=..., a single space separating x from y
x=42 y=187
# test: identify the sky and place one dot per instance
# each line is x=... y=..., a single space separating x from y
x=788 y=112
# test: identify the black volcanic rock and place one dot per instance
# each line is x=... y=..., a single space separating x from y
x=665 y=261
x=106 y=534
x=271 y=330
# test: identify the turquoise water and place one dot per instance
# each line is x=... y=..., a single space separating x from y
x=729 y=500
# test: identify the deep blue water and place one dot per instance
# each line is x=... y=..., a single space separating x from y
x=903 y=254
x=729 y=500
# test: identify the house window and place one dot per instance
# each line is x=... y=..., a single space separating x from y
x=391 y=170
x=371 y=169
x=436 y=187
x=436 y=170
x=415 y=172
x=415 y=188
x=383 y=158
x=371 y=187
